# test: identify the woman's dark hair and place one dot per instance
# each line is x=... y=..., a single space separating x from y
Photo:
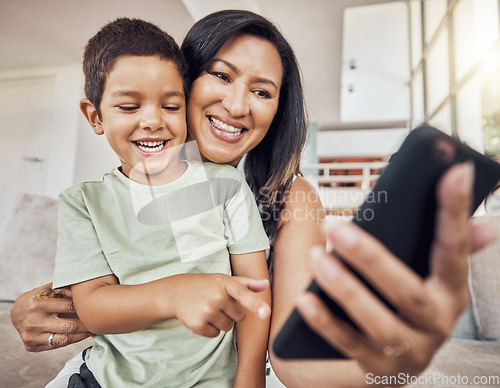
x=125 y=36
x=272 y=164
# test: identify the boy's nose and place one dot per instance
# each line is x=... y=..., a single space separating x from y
x=152 y=119
x=235 y=101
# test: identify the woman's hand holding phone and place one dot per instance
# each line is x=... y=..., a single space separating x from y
x=427 y=308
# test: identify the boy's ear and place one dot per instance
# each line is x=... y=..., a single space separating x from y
x=90 y=112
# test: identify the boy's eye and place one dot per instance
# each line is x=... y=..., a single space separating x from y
x=128 y=108
x=262 y=93
x=172 y=107
x=222 y=76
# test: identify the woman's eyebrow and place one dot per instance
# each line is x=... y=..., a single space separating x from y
x=235 y=69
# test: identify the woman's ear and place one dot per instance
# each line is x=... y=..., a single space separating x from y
x=90 y=112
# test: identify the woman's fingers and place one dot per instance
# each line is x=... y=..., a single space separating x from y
x=383 y=340
x=66 y=291
x=452 y=245
x=371 y=315
x=40 y=312
x=58 y=341
x=335 y=331
x=381 y=360
x=61 y=340
x=392 y=278
x=55 y=305
x=35 y=332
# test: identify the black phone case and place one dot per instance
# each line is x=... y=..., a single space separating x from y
x=399 y=211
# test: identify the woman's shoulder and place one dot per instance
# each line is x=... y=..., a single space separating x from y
x=302 y=191
x=302 y=204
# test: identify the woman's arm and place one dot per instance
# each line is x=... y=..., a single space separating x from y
x=253 y=332
x=204 y=303
x=42 y=311
x=300 y=230
x=429 y=308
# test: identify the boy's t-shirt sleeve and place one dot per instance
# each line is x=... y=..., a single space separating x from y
x=79 y=253
x=244 y=229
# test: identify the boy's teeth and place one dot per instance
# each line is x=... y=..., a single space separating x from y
x=226 y=127
x=150 y=146
x=150 y=143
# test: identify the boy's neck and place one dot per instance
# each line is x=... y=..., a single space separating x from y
x=141 y=176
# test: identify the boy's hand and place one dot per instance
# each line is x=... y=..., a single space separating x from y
x=209 y=303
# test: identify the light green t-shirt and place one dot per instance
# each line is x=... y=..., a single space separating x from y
x=140 y=233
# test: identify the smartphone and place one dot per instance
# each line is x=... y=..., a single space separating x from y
x=400 y=212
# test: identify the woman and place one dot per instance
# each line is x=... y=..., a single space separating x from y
x=246 y=99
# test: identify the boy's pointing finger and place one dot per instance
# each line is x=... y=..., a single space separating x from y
x=245 y=290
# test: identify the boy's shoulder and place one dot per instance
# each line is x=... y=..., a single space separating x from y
x=96 y=183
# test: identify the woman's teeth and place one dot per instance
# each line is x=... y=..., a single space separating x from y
x=225 y=127
x=150 y=146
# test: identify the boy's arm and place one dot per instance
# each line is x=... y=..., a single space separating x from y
x=253 y=332
x=199 y=301
x=107 y=307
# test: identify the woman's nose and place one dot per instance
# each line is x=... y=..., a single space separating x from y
x=236 y=102
x=152 y=119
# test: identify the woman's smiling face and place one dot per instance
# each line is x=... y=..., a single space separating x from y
x=234 y=100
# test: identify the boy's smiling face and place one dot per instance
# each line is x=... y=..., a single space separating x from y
x=143 y=116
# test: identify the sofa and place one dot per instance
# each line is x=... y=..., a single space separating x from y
x=27 y=249
x=471 y=357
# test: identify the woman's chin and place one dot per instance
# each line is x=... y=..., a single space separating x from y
x=221 y=157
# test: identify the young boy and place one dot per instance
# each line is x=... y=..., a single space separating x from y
x=136 y=244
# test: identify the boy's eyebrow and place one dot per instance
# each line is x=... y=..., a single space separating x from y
x=235 y=69
x=132 y=93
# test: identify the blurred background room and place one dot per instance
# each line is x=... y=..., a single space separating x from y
x=372 y=70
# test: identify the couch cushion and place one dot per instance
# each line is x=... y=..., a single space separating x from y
x=28 y=245
x=462 y=362
x=485 y=284
x=19 y=368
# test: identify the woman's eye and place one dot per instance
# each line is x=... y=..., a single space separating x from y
x=262 y=93
x=222 y=76
x=128 y=108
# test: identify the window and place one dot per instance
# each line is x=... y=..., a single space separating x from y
x=490 y=104
x=455 y=76
x=434 y=12
x=437 y=70
x=475 y=30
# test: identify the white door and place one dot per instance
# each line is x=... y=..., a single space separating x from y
x=26 y=112
x=376 y=68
